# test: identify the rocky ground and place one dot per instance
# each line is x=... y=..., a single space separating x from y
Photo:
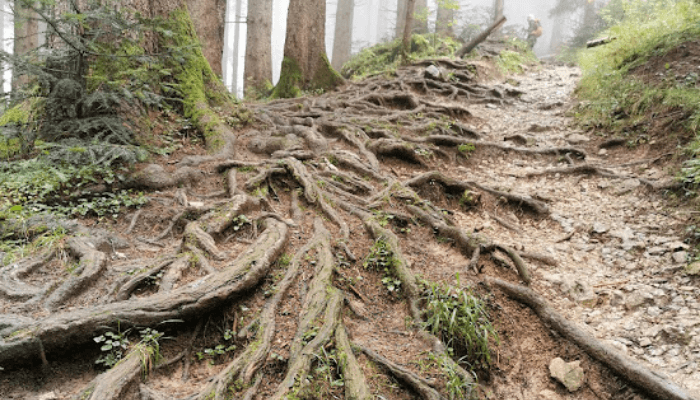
x=618 y=243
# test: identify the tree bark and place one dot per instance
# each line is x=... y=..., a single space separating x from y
x=208 y=17
x=26 y=29
x=258 y=54
x=342 y=41
x=408 y=25
x=305 y=65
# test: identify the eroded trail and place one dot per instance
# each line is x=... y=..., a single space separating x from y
x=315 y=262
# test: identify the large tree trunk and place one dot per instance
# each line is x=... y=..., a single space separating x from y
x=342 y=42
x=26 y=38
x=305 y=65
x=445 y=18
x=208 y=17
x=258 y=54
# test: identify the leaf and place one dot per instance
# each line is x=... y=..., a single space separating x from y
x=106 y=347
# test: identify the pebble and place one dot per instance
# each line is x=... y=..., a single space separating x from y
x=568 y=374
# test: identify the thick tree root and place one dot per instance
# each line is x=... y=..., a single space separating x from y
x=123 y=377
x=186 y=302
x=629 y=369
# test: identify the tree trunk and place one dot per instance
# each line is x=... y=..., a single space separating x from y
x=445 y=18
x=258 y=54
x=408 y=25
x=420 y=17
x=305 y=65
x=26 y=38
x=342 y=42
x=400 y=17
x=208 y=17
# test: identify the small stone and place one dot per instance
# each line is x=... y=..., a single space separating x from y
x=48 y=396
x=656 y=251
x=568 y=374
x=599 y=228
x=637 y=299
x=603 y=152
x=644 y=342
x=677 y=246
x=548 y=395
x=432 y=72
x=577 y=138
x=627 y=186
x=680 y=257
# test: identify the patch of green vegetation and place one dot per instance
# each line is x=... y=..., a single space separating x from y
x=513 y=61
x=460 y=318
x=465 y=149
x=618 y=100
x=386 y=57
x=38 y=185
x=213 y=353
x=381 y=258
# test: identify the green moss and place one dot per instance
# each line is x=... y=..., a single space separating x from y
x=197 y=83
x=290 y=80
x=326 y=77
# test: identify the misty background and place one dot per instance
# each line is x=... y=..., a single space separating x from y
x=374 y=22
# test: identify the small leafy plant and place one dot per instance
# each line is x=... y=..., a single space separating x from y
x=212 y=353
x=114 y=345
x=460 y=319
x=381 y=258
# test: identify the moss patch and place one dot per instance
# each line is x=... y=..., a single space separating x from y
x=290 y=80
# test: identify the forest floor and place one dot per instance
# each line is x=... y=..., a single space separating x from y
x=461 y=180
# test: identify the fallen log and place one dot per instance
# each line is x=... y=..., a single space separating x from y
x=600 y=42
x=482 y=36
x=650 y=383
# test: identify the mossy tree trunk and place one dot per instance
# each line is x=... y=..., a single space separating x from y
x=258 y=55
x=342 y=41
x=305 y=65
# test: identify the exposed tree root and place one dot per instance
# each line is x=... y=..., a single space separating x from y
x=418 y=384
x=630 y=370
x=115 y=383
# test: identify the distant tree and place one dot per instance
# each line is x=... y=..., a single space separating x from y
x=236 y=46
x=445 y=17
x=420 y=17
x=400 y=17
x=305 y=65
x=498 y=9
x=26 y=36
x=258 y=55
x=342 y=40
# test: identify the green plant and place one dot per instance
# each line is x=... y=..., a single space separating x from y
x=456 y=386
x=461 y=320
x=465 y=149
x=212 y=353
x=114 y=345
x=381 y=258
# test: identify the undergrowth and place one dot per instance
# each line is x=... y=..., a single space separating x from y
x=386 y=57
x=513 y=61
x=614 y=97
x=460 y=318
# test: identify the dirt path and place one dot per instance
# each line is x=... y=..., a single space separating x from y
x=620 y=269
x=304 y=267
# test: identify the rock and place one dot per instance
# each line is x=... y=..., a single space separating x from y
x=656 y=251
x=548 y=395
x=644 y=342
x=433 y=72
x=680 y=257
x=638 y=299
x=675 y=335
x=568 y=374
x=693 y=269
x=47 y=396
x=603 y=152
x=599 y=228
x=577 y=138
x=627 y=186
x=673 y=246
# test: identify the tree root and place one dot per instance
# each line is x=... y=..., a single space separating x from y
x=470 y=242
x=186 y=302
x=629 y=369
x=116 y=382
x=418 y=384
